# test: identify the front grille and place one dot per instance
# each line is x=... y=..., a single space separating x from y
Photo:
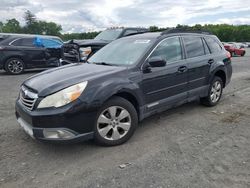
x=27 y=98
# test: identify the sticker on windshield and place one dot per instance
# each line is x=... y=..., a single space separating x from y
x=142 y=41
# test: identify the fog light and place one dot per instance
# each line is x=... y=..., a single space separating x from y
x=57 y=134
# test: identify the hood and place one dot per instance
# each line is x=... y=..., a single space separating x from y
x=51 y=81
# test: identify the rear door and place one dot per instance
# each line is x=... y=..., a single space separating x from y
x=199 y=61
x=166 y=85
x=34 y=56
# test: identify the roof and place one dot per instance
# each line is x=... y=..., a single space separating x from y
x=155 y=35
x=27 y=35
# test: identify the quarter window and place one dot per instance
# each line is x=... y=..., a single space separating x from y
x=16 y=42
x=194 y=46
x=213 y=45
x=169 y=49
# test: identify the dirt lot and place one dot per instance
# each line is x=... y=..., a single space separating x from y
x=190 y=146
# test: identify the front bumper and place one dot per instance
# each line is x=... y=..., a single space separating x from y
x=78 y=125
x=38 y=133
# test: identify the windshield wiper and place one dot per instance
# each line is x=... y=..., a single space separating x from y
x=103 y=63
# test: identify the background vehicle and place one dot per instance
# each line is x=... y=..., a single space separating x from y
x=19 y=52
x=123 y=83
x=80 y=50
x=234 y=49
x=242 y=45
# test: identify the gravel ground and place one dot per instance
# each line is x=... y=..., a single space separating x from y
x=189 y=146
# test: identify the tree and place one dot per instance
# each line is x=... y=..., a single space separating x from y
x=153 y=28
x=11 y=26
x=33 y=26
x=48 y=28
x=29 y=18
x=1 y=26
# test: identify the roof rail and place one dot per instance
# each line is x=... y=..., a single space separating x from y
x=182 y=30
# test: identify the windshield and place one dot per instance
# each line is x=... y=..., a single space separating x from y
x=122 y=52
x=109 y=34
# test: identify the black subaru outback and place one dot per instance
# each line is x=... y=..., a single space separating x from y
x=123 y=83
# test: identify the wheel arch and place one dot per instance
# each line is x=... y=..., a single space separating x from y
x=221 y=73
x=14 y=56
x=131 y=98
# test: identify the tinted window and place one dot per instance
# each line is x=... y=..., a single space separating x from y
x=213 y=45
x=16 y=42
x=206 y=47
x=194 y=46
x=23 y=42
x=169 y=49
x=28 y=42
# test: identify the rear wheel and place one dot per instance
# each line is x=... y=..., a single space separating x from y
x=116 y=122
x=214 y=93
x=14 y=66
x=243 y=54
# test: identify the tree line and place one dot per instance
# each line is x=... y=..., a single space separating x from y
x=225 y=32
x=32 y=26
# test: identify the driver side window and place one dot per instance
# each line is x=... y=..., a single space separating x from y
x=169 y=49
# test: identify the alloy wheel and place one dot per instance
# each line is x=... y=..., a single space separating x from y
x=216 y=92
x=114 y=123
x=15 y=66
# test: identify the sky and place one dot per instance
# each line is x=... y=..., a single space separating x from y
x=95 y=15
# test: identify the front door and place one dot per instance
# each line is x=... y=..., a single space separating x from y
x=166 y=85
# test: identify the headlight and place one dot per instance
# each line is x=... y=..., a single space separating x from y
x=84 y=52
x=64 y=96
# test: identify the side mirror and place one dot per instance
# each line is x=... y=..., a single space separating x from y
x=156 y=62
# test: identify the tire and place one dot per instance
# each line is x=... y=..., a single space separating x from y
x=116 y=122
x=243 y=54
x=14 y=66
x=214 y=93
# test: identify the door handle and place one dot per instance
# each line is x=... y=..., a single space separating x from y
x=182 y=69
x=210 y=61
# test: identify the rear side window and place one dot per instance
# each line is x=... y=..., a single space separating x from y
x=194 y=46
x=29 y=42
x=169 y=49
x=213 y=45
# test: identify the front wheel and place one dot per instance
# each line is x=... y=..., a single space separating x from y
x=214 y=93
x=14 y=66
x=116 y=122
